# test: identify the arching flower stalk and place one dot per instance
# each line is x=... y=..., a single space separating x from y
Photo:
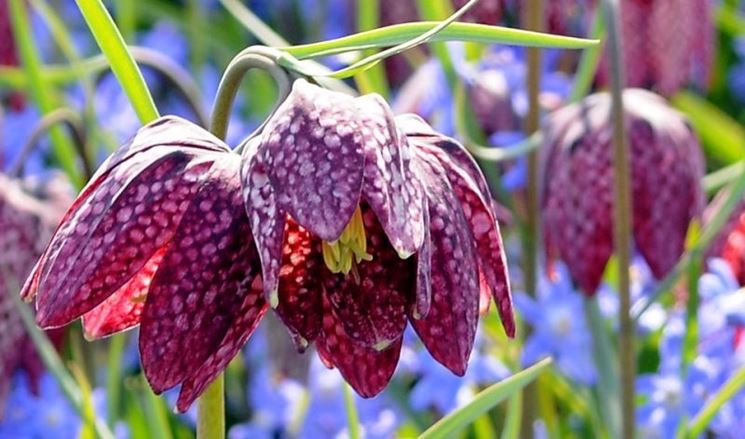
x=350 y=223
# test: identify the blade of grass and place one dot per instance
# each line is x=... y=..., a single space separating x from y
x=39 y=90
x=122 y=64
x=401 y=33
x=114 y=383
x=372 y=79
x=488 y=398
x=702 y=420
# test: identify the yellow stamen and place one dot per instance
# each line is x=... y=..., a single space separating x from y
x=350 y=249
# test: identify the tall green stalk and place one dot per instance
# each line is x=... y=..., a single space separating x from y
x=533 y=21
x=211 y=411
x=621 y=220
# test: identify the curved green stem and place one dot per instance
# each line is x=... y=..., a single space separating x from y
x=51 y=119
x=173 y=73
x=251 y=58
x=621 y=220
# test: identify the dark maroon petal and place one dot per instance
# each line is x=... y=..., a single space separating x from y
x=449 y=329
x=267 y=220
x=300 y=291
x=665 y=183
x=248 y=317
x=367 y=370
x=312 y=150
x=485 y=230
x=203 y=279
x=419 y=131
x=371 y=304
x=123 y=309
x=107 y=242
x=168 y=131
x=391 y=187
x=423 y=292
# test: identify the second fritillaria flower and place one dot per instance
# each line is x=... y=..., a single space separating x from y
x=351 y=222
x=666 y=170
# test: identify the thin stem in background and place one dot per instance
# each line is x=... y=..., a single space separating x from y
x=534 y=20
x=621 y=220
x=353 y=420
x=52 y=119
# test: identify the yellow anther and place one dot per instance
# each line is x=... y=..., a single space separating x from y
x=350 y=249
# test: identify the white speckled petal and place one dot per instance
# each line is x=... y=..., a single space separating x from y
x=449 y=328
x=312 y=151
x=391 y=187
x=266 y=219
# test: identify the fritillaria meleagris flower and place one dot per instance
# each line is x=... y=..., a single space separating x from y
x=666 y=169
x=159 y=238
x=729 y=243
x=340 y=195
x=324 y=215
x=667 y=44
x=26 y=222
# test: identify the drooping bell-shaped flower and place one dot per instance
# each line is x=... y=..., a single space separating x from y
x=26 y=222
x=667 y=44
x=159 y=238
x=324 y=215
x=340 y=196
x=729 y=243
x=8 y=56
x=577 y=204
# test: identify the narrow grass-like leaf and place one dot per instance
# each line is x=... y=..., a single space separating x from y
x=399 y=33
x=39 y=90
x=373 y=79
x=721 y=177
x=722 y=138
x=122 y=64
x=487 y=399
x=728 y=390
x=117 y=345
x=606 y=368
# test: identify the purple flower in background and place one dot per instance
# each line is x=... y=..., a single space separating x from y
x=557 y=317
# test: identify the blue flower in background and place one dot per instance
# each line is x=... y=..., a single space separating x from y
x=437 y=388
x=559 y=328
x=674 y=394
x=16 y=128
x=45 y=415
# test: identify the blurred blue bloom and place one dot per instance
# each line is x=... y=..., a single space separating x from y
x=439 y=389
x=45 y=415
x=15 y=129
x=674 y=394
x=559 y=328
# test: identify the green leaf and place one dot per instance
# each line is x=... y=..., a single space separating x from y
x=42 y=94
x=722 y=138
x=401 y=33
x=484 y=401
x=702 y=420
x=122 y=64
